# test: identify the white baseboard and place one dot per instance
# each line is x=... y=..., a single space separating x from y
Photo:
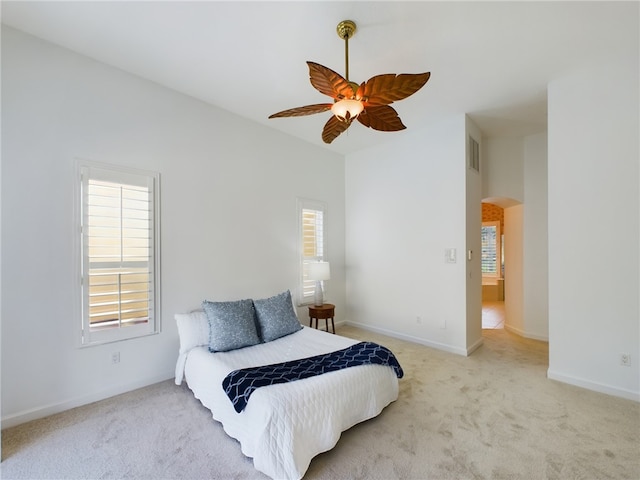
x=411 y=338
x=525 y=334
x=46 y=410
x=475 y=346
x=596 y=387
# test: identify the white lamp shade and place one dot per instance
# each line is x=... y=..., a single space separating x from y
x=319 y=271
x=340 y=109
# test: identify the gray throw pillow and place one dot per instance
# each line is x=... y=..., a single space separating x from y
x=276 y=317
x=231 y=325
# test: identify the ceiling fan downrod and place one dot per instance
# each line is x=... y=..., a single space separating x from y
x=346 y=29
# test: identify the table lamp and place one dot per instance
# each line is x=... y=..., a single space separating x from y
x=319 y=271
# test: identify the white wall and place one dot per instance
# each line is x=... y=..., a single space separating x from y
x=594 y=239
x=503 y=172
x=229 y=226
x=473 y=243
x=514 y=269
x=535 y=261
x=405 y=204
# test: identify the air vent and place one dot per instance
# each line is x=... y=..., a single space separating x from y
x=474 y=155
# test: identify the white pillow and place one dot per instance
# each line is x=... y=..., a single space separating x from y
x=193 y=329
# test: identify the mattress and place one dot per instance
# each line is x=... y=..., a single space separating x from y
x=284 y=426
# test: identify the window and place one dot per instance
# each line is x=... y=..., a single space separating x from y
x=491 y=249
x=119 y=253
x=312 y=217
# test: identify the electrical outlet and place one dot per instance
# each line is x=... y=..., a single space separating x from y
x=115 y=357
x=419 y=320
x=625 y=359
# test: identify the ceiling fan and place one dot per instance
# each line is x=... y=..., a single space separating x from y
x=368 y=102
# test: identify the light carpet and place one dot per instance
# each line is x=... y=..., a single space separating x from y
x=493 y=415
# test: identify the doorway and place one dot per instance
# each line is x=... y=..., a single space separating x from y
x=492 y=234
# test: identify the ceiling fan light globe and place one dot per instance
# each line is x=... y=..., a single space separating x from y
x=342 y=107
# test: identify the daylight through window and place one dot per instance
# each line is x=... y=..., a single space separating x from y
x=119 y=254
x=491 y=251
x=312 y=244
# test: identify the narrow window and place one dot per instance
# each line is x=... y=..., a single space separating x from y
x=119 y=225
x=311 y=215
x=491 y=249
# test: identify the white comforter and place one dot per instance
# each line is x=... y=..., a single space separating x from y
x=284 y=426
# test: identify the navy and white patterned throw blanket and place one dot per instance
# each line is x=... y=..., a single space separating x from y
x=240 y=384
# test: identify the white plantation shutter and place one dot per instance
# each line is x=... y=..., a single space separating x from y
x=312 y=244
x=120 y=267
x=491 y=251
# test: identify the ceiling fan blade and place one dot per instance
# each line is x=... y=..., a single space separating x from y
x=333 y=128
x=389 y=88
x=329 y=82
x=306 y=110
x=382 y=117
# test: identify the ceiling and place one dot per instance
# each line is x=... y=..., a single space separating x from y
x=491 y=60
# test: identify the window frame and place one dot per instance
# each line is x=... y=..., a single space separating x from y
x=85 y=170
x=306 y=288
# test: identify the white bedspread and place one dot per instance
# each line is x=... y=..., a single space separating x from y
x=284 y=426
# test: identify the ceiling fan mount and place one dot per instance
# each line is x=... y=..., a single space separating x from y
x=346 y=29
x=369 y=101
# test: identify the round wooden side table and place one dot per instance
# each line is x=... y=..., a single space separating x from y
x=325 y=311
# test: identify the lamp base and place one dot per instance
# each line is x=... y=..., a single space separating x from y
x=318 y=300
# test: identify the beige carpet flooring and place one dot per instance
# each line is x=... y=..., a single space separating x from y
x=493 y=415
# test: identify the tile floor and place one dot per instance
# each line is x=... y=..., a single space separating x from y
x=492 y=315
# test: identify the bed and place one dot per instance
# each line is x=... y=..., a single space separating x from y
x=283 y=426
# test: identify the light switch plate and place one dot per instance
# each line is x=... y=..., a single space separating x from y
x=450 y=255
